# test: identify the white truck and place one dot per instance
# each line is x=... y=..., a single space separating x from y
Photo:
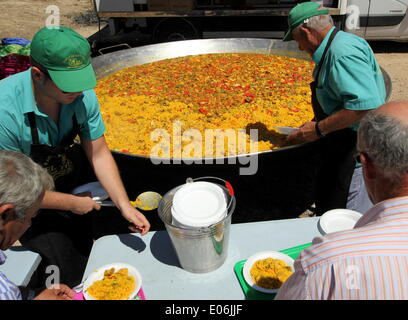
x=167 y=20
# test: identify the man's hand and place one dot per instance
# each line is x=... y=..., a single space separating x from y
x=56 y=292
x=305 y=133
x=84 y=204
x=138 y=220
x=340 y=120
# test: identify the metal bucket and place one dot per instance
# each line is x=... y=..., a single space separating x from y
x=204 y=249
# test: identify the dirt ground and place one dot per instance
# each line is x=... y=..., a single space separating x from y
x=396 y=65
x=22 y=18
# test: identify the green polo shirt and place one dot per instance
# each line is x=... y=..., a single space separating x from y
x=350 y=77
x=17 y=100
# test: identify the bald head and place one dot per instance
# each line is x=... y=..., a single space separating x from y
x=396 y=109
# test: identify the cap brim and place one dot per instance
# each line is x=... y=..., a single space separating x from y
x=74 y=80
x=288 y=35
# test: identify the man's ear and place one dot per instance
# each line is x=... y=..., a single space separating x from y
x=6 y=213
x=37 y=73
x=370 y=171
x=305 y=32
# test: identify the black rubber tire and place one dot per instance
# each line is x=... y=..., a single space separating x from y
x=175 y=30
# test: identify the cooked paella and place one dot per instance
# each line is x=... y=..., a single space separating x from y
x=205 y=105
x=114 y=285
x=270 y=273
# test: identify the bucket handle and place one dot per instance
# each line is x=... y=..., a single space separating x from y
x=226 y=183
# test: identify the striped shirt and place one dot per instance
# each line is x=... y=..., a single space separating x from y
x=366 y=263
x=8 y=290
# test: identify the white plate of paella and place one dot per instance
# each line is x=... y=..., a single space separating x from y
x=116 y=281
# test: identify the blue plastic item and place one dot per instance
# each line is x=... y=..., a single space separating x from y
x=20 y=41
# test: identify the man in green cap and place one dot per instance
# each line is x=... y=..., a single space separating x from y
x=42 y=111
x=347 y=84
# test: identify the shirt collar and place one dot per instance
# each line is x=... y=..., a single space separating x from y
x=384 y=209
x=2 y=257
x=317 y=56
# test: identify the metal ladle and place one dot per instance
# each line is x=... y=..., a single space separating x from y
x=146 y=201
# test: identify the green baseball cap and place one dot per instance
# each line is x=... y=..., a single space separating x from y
x=300 y=13
x=66 y=55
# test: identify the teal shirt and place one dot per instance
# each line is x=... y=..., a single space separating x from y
x=17 y=99
x=350 y=77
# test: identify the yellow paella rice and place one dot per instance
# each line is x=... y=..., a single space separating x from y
x=114 y=285
x=168 y=105
x=270 y=273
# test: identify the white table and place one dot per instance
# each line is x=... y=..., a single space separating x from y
x=20 y=265
x=164 y=279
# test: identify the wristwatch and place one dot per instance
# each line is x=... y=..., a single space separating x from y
x=319 y=133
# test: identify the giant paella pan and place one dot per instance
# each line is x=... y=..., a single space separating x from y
x=269 y=184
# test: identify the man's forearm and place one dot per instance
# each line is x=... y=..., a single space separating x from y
x=106 y=170
x=341 y=120
x=108 y=175
x=58 y=201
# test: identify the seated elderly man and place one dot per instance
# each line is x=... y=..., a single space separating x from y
x=370 y=261
x=22 y=187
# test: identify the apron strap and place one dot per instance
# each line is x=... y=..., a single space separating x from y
x=318 y=111
x=329 y=42
x=33 y=127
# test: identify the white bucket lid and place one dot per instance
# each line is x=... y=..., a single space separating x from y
x=199 y=204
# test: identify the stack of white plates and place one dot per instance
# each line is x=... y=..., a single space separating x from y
x=198 y=204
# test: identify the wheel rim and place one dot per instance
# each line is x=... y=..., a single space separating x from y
x=176 y=36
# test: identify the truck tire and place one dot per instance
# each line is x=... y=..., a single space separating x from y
x=175 y=30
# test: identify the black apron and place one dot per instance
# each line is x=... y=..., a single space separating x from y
x=336 y=152
x=62 y=238
x=66 y=162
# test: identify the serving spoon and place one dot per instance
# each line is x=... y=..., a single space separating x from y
x=147 y=201
x=285 y=130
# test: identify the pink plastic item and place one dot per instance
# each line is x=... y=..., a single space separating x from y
x=79 y=296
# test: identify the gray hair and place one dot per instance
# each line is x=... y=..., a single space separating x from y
x=317 y=22
x=22 y=181
x=385 y=140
